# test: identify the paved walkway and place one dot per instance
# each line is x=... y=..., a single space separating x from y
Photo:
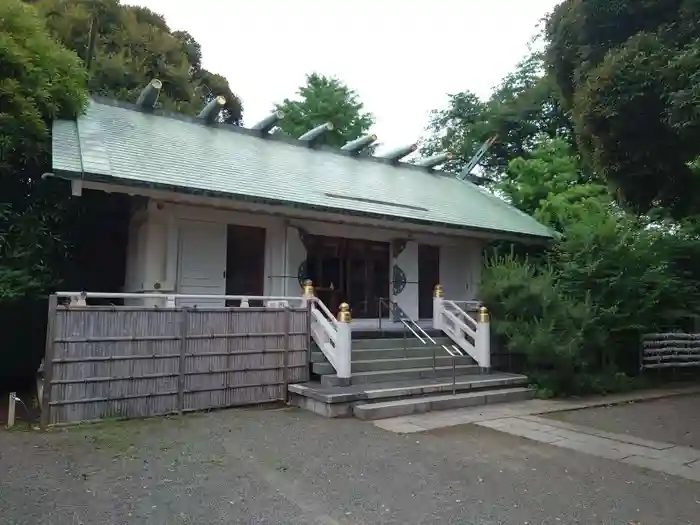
x=672 y=420
x=521 y=419
x=663 y=457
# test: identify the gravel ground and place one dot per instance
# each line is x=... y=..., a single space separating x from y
x=292 y=467
x=672 y=420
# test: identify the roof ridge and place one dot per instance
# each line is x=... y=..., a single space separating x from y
x=268 y=137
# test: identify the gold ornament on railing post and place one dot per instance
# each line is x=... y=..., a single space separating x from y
x=344 y=315
x=438 y=290
x=308 y=288
x=483 y=315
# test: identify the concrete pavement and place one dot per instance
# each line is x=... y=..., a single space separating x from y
x=663 y=457
x=521 y=419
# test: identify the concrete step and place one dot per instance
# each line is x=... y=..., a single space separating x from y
x=372 y=365
x=402 y=389
x=318 y=357
x=386 y=353
x=418 y=405
x=409 y=342
x=385 y=376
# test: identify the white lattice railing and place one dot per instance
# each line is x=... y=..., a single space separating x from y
x=167 y=300
x=333 y=336
x=471 y=335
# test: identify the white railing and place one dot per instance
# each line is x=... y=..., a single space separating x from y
x=168 y=300
x=333 y=336
x=471 y=336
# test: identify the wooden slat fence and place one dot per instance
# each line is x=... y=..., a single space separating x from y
x=104 y=362
x=667 y=350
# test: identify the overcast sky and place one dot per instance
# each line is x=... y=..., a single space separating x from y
x=402 y=57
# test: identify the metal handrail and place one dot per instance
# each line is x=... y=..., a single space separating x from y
x=405 y=320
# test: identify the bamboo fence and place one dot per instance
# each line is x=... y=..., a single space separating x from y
x=106 y=362
x=670 y=350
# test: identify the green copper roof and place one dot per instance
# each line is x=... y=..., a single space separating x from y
x=127 y=146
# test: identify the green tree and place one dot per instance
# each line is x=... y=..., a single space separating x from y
x=552 y=186
x=127 y=46
x=325 y=99
x=520 y=111
x=39 y=80
x=626 y=71
x=578 y=311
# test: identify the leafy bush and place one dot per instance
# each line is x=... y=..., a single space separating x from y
x=577 y=312
x=579 y=316
x=536 y=319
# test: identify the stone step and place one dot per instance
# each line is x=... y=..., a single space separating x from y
x=418 y=405
x=385 y=376
x=409 y=342
x=318 y=357
x=402 y=389
x=386 y=353
x=372 y=365
x=397 y=353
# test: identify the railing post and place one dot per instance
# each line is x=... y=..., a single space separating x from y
x=483 y=338
x=79 y=300
x=437 y=307
x=343 y=345
x=308 y=294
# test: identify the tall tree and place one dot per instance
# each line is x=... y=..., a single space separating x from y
x=39 y=80
x=552 y=186
x=522 y=109
x=627 y=72
x=127 y=46
x=325 y=99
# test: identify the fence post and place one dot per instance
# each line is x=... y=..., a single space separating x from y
x=343 y=345
x=285 y=355
x=437 y=307
x=11 y=403
x=184 y=325
x=48 y=362
x=483 y=336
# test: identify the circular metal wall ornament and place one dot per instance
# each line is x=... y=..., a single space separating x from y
x=398 y=280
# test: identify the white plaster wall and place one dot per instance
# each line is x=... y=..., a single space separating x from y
x=156 y=255
x=460 y=269
x=296 y=255
x=407 y=260
x=274 y=238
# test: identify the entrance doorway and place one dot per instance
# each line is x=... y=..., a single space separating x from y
x=428 y=277
x=354 y=271
x=245 y=262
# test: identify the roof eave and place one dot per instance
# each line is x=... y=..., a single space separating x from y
x=129 y=183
